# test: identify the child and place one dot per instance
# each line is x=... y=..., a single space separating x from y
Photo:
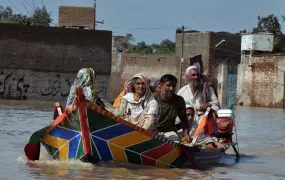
x=201 y=139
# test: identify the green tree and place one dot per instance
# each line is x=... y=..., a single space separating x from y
x=126 y=43
x=165 y=47
x=268 y=24
x=141 y=48
x=6 y=14
x=20 y=19
x=40 y=17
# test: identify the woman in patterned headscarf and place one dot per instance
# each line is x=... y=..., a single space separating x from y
x=139 y=107
x=86 y=80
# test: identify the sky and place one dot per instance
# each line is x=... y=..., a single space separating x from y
x=155 y=20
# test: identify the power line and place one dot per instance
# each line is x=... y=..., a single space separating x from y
x=28 y=4
x=15 y=7
x=34 y=4
x=25 y=7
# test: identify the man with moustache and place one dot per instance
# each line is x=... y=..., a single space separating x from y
x=170 y=106
x=198 y=93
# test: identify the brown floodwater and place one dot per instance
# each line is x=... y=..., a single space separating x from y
x=261 y=137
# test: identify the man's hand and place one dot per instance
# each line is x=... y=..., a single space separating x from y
x=205 y=106
x=187 y=138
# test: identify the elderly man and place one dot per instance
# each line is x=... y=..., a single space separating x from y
x=198 y=93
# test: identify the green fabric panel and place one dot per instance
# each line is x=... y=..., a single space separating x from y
x=133 y=157
x=140 y=148
x=51 y=150
x=73 y=121
x=80 y=150
x=145 y=146
x=36 y=136
x=98 y=121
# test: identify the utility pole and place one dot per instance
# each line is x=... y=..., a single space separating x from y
x=101 y=22
x=182 y=57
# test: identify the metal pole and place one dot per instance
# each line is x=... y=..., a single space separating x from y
x=94 y=14
x=101 y=22
x=284 y=92
x=182 y=57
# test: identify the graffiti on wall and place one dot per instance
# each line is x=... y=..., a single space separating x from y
x=60 y=86
x=20 y=85
x=13 y=86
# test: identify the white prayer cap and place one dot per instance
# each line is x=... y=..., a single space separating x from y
x=189 y=106
x=190 y=68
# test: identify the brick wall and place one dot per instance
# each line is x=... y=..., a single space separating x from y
x=54 y=49
x=76 y=16
x=261 y=81
x=40 y=58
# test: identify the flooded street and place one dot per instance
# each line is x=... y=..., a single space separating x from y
x=261 y=138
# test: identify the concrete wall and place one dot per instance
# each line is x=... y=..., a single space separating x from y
x=227 y=52
x=215 y=63
x=261 y=81
x=26 y=84
x=152 y=65
x=203 y=43
x=125 y=65
x=195 y=43
x=42 y=62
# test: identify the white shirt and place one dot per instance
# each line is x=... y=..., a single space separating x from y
x=195 y=100
x=134 y=110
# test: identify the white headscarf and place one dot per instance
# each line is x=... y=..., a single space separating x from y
x=190 y=68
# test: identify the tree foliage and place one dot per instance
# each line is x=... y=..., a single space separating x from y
x=268 y=24
x=39 y=17
x=125 y=44
x=165 y=47
x=141 y=48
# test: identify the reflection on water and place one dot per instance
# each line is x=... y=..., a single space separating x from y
x=260 y=133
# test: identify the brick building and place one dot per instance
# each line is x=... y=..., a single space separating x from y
x=261 y=73
x=76 y=17
x=41 y=63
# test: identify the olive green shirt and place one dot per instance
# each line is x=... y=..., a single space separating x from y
x=168 y=111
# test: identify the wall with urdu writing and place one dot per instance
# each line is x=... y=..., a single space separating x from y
x=27 y=84
x=42 y=62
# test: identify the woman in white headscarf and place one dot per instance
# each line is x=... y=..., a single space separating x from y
x=139 y=107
